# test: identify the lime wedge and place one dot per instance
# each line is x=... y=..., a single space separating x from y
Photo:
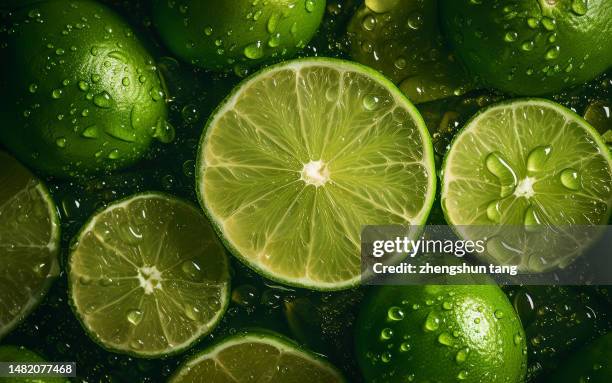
x=256 y=357
x=148 y=276
x=301 y=156
x=530 y=166
x=29 y=242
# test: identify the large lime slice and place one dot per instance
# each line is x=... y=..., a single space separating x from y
x=256 y=357
x=528 y=168
x=148 y=276
x=301 y=156
x=29 y=242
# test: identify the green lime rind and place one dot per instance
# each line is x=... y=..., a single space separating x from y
x=15 y=180
x=222 y=282
x=555 y=157
x=250 y=359
x=421 y=144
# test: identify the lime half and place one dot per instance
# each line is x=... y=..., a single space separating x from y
x=29 y=242
x=148 y=276
x=256 y=357
x=522 y=170
x=301 y=156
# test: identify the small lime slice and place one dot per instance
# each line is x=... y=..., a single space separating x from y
x=528 y=165
x=29 y=242
x=148 y=276
x=256 y=357
x=23 y=355
x=301 y=156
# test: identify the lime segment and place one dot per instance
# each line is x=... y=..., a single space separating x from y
x=531 y=164
x=302 y=155
x=29 y=242
x=148 y=276
x=255 y=357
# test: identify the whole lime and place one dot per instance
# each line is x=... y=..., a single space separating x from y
x=530 y=47
x=236 y=34
x=80 y=93
x=440 y=333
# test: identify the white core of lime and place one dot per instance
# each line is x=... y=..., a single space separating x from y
x=303 y=155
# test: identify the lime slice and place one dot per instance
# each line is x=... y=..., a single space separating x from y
x=148 y=276
x=29 y=242
x=532 y=167
x=301 y=156
x=256 y=357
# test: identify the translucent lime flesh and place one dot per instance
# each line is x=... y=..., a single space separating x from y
x=528 y=164
x=256 y=358
x=29 y=242
x=304 y=154
x=148 y=276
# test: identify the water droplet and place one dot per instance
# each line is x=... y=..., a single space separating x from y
x=537 y=158
x=549 y=24
x=33 y=88
x=462 y=355
x=83 y=85
x=120 y=132
x=134 y=317
x=103 y=100
x=273 y=22
x=192 y=312
x=446 y=305
x=91 y=132
x=125 y=81
x=500 y=168
x=386 y=334
x=463 y=375
x=114 y=154
x=432 y=322
x=405 y=347
x=579 y=7
x=386 y=357
x=294 y=28
x=310 y=5
x=533 y=22
x=57 y=93
x=510 y=36
x=445 y=339
x=518 y=339
x=498 y=314
x=370 y=102
x=570 y=178
x=156 y=93
x=395 y=313
x=527 y=45
x=381 y=6
x=245 y=295
x=59 y=51
x=61 y=142
x=192 y=269
x=531 y=220
x=477 y=320
x=553 y=52
x=163 y=131
x=414 y=20
x=208 y=31
x=400 y=63
x=274 y=40
x=254 y=51
x=368 y=23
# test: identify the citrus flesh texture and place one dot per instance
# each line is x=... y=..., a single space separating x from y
x=81 y=93
x=436 y=333
x=256 y=357
x=302 y=155
x=29 y=242
x=517 y=171
x=148 y=276
x=238 y=34
x=530 y=47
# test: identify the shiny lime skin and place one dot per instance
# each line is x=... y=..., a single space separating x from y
x=236 y=34
x=530 y=47
x=436 y=333
x=80 y=93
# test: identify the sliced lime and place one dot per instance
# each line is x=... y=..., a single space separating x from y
x=148 y=276
x=256 y=357
x=301 y=156
x=527 y=165
x=29 y=242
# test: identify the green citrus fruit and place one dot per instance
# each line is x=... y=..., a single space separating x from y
x=436 y=333
x=29 y=242
x=529 y=165
x=148 y=276
x=256 y=357
x=236 y=34
x=402 y=39
x=530 y=47
x=23 y=355
x=303 y=154
x=80 y=93
x=590 y=364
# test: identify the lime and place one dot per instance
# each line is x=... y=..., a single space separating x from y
x=236 y=34
x=436 y=333
x=589 y=364
x=402 y=39
x=527 y=165
x=530 y=47
x=80 y=93
x=23 y=355
x=29 y=242
x=302 y=155
x=148 y=276
x=256 y=357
